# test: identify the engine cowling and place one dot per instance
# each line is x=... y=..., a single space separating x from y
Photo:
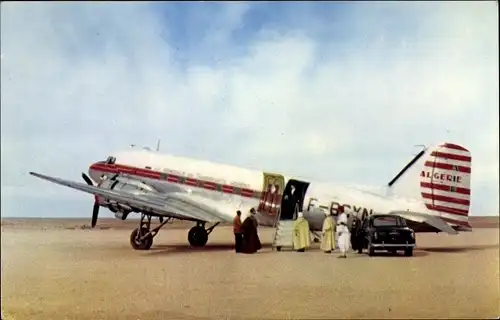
x=127 y=185
x=120 y=214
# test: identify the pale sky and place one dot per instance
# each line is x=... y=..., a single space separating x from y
x=337 y=92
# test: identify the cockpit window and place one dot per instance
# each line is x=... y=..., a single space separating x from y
x=111 y=160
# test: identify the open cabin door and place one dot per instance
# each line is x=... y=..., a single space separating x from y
x=271 y=194
x=293 y=198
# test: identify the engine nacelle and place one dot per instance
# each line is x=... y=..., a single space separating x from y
x=124 y=185
x=122 y=215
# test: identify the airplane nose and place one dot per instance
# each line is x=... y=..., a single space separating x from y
x=93 y=172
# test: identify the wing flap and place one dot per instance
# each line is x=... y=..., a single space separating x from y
x=178 y=205
x=425 y=218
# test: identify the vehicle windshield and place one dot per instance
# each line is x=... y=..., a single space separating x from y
x=388 y=221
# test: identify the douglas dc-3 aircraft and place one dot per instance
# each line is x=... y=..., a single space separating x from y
x=432 y=193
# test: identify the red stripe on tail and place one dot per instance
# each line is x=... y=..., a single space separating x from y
x=450 y=156
x=449 y=210
x=443 y=187
x=454 y=147
x=447 y=166
x=437 y=197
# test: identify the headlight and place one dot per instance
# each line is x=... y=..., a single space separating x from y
x=412 y=235
x=375 y=235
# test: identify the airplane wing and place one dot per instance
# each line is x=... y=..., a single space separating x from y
x=424 y=218
x=177 y=204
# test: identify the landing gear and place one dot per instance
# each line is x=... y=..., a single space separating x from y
x=198 y=235
x=142 y=237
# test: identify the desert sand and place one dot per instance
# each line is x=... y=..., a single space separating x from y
x=54 y=269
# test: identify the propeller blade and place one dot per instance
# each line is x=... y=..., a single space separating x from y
x=95 y=213
x=87 y=179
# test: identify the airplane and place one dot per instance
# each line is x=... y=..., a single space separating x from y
x=432 y=193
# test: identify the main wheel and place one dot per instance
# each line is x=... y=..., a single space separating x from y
x=197 y=236
x=409 y=252
x=138 y=244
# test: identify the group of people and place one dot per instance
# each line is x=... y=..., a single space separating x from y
x=331 y=230
x=246 y=237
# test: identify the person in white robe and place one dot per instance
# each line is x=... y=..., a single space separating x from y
x=343 y=235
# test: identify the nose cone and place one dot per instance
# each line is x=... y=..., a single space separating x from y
x=94 y=172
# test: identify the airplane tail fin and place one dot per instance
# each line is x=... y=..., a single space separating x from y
x=440 y=177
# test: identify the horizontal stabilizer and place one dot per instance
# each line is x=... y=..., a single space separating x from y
x=426 y=218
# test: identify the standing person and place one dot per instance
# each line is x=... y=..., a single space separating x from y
x=355 y=228
x=238 y=235
x=301 y=237
x=341 y=216
x=343 y=235
x=328 y=238
x=251 y=241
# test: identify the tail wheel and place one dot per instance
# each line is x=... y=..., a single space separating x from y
x=138 y=244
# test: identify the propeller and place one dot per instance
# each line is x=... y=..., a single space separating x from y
x=87 y=179
x=95 y=210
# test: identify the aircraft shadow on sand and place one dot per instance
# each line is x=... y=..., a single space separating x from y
x=186 y=248
x=227 y=247
x=459 y=249
x=386 y=255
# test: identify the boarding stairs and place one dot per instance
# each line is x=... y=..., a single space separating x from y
x=283 y=231
x=283 y=235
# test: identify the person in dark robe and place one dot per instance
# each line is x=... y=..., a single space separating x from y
x=251 y=241
x=290 y=204
x=355 y=233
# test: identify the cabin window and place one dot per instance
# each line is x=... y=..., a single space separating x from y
x=148 y=167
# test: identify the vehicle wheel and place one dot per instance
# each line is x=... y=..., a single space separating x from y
x=409 y=252
x=371 y=250
x=278 y=248
x=360 y=250
x=138 y=244
x=197 y=236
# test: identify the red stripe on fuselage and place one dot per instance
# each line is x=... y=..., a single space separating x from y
x=148 y=173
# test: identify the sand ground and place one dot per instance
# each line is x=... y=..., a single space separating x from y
x=56 y=273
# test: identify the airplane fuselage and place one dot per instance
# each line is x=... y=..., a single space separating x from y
x=237 y=188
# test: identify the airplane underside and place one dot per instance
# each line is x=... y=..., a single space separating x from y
x=141 y=237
